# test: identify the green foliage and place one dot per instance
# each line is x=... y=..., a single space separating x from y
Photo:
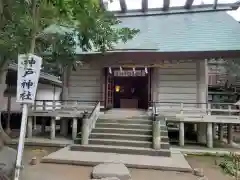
x=228 y=165
x=22 y=22
x=233 y=67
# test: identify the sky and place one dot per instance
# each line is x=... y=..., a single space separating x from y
x=136 y=4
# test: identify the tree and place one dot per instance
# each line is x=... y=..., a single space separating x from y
x=23 y=21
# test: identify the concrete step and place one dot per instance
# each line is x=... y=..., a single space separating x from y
x=128 y=143
x=122 y=131
x=121 y=150
x=133 y=137
x=126 y=121
x=116 y=136
x=115 y=142
x=127 y=131
x=125 y=126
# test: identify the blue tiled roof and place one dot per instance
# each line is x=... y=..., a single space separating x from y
x=207 y=31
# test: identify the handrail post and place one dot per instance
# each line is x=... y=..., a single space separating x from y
x=89 y=123
x=181 y=128
x=84 y=137
x=209 y=128
x=181 y=109
x=156 y=130
x=209 y=109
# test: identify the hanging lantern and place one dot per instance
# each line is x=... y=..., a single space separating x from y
x=110 y=70
x=117 y=88
x=146 y=70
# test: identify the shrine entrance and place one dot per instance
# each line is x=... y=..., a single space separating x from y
x=128 y=88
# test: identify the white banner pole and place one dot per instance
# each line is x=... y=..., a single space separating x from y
x=21 y=141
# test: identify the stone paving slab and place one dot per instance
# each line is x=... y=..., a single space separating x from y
x=176 y=162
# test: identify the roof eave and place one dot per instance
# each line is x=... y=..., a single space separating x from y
x=52 y=79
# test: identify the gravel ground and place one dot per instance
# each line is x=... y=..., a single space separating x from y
x=63 y=172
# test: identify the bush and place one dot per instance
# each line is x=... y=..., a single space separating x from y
x=228 y=164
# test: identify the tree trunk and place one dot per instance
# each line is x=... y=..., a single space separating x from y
x=8 y=127
x=3 y=66
x=65 y=83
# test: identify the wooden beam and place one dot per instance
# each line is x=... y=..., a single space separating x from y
x=188 y=4
x=166 y=4
x=144 y=5
x=123 y=5
x=215 y=4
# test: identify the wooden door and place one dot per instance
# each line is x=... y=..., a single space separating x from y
x=109 y=91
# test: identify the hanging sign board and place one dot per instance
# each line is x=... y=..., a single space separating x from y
x=29 y=67
x=129 y=73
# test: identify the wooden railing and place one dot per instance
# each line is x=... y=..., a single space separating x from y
x=89 y=122
x=60 y=104
x=219 y=111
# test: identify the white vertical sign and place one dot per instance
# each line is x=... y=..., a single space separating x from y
x=29 y=67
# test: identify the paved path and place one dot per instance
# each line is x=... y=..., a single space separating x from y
x=176 y=162
x=43 y=171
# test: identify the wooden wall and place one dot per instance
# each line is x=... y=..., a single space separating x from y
x=86 y=83
x=44 y=92
x=175 y=82
x=182 y=82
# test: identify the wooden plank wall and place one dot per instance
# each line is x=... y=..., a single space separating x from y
x=86 y=83
x=176 y=83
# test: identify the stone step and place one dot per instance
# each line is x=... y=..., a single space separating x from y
x=126 y=121
x=125 y=126
x=121 y=150
x=127 y=131
x=122 y=131
x=114 y=142
x=137 y=137
x=133 y=137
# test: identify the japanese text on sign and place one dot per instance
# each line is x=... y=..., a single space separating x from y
x=28 y=74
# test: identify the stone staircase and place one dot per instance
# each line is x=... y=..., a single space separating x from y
x=124 y=133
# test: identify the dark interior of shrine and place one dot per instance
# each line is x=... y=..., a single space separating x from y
x=131 y=92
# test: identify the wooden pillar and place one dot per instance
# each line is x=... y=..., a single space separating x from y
x=214 y=131
x=209 y=135
x=53 y=128
x=230 y=134
x=221 y=132
x=29 y=127
x=181 y=134
x=74 y=128
x=43 y=125
x=35 y=123
x=202 y=95
x=64 y=126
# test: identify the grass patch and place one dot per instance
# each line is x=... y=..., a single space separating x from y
x=207 y=154
x=230 y=165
